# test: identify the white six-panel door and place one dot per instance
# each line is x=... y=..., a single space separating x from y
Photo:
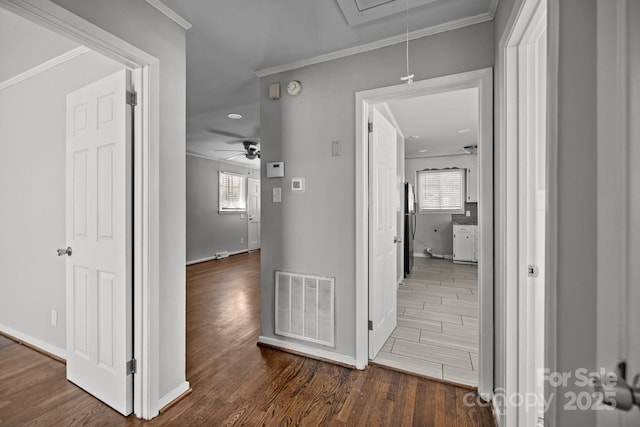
x=98 y=229
x=383 y=233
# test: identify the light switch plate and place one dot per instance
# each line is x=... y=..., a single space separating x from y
x=468 y=213
x=336 y=148
x=277 y=195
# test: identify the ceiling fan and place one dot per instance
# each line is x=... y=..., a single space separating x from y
x=251 y=147
x=251 y=150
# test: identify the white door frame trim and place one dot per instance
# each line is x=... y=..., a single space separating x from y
x=483 y=80
x=507 y=265
x=147 y=124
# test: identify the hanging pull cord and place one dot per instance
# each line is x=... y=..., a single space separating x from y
x=409 y=77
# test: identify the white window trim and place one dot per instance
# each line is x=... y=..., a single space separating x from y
x=463 y=193
x=243 y=196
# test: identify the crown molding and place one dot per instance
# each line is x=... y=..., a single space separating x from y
x=44 y=67
x=169 y=13
x=493 y=7
x=449 y=26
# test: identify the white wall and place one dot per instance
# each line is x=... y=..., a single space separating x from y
x=208 y=231
x=32 y=190
x=441 y=241
x=140 y=24
x=314 y=232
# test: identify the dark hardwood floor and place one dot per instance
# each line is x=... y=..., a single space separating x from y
x=234 y=381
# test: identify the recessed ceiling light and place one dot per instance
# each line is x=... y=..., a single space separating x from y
x=414 y=136
x=422 y=151
x=465 y=130
x=234 y=116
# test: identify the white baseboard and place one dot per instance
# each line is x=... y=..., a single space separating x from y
x=422 y=255
x=198 y=261
x=174 y=394
x=34 y=342
x=311 y=351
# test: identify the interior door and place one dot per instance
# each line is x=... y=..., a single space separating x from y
x=253 y=211
x=98 y=231
x=383 y=238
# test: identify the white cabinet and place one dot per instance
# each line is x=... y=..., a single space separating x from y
x=472 y=185
x=465 y=246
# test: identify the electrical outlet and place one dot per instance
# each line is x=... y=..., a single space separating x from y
x=242 y=240
x=468 y=213
x=54 y=318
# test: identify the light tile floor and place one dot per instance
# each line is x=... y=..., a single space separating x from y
x=437 y=332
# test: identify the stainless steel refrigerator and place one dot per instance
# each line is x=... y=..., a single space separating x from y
x=409 y=226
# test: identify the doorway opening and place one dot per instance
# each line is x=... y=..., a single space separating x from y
x=481 y=80
x=91 y=42
x=436 y=333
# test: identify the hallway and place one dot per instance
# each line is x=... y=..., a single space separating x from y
x=234 y=381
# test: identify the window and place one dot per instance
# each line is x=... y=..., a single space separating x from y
x=232 y=193
x=441 y=190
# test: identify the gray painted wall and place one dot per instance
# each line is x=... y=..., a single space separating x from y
x=577 y=222
x=314 y=232
x=143 y=26
x=32 y=190
x=426 y=224
x=208 y=231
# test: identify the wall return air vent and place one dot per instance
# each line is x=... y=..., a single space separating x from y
x=305 y=307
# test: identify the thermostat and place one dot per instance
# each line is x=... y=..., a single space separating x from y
x=297 y=184
x=275 y=170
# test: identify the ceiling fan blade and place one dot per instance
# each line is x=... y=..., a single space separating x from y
x=225 y=133
x=237 y=151
x=233 y=157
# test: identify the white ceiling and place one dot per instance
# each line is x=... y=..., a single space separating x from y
x=27 y=45
x=233 y=39
x=444 y=122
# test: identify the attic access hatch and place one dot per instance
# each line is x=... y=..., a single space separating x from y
x=361 y=11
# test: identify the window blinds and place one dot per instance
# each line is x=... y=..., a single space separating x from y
x=232 y=193
x=441 y=190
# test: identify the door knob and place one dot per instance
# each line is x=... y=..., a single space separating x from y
x=62 y=252
x=615 y=390
x=396 y=240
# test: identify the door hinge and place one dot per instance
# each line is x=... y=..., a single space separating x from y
x=532 y=271
x=131 y=366
x=370 y=127
x=132 y=98
x=370 y=325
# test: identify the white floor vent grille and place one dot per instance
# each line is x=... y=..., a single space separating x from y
x=305 y=307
